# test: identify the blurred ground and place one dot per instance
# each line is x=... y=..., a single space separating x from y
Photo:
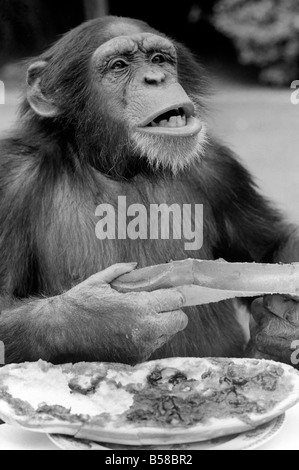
x=262 y=127
x=259 y=124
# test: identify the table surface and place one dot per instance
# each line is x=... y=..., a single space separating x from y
x=12 y=438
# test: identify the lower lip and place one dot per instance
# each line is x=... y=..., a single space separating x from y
x=193 y=127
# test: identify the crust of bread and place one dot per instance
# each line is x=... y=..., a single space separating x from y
x=203 y=281
x=43 y=424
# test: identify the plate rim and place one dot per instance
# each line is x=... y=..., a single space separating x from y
x=271 y=429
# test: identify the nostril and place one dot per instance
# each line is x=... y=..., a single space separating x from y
x=154 y=78
x=150 y=80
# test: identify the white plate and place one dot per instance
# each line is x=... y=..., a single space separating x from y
x=246 y=441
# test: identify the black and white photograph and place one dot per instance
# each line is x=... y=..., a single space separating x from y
x=149 y=227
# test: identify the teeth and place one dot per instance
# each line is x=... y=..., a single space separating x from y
x=174 y=121
x=181 y=121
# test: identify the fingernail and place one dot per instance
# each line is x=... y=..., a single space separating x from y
x=132 y=264
x=267 y=302
x=183 y=298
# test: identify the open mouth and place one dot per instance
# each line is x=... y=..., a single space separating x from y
x=173 y=118
x=175 y=121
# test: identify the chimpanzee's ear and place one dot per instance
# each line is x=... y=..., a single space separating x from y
x=41 y=104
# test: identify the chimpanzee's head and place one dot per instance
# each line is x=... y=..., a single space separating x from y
x=121 y=92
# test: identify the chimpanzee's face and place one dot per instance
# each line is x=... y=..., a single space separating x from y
x=131 y=103
x=136 y=78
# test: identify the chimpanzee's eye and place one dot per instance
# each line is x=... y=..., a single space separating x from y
x=158 y=59
x=118 y=65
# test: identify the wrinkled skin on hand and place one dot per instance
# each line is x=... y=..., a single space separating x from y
x=275 y=329
x=125 y=328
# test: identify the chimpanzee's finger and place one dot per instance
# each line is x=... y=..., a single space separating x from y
x=170 y=323
x=277 y=346
x=280 y=305
x=166 y=300
x=110 y=274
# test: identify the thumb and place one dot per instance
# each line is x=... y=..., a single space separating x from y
x=261 y=315
x=280 y=305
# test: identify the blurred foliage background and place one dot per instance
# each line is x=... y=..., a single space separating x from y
x=265 y=33
x=260 y=35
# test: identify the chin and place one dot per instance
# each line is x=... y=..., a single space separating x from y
x=175 y=153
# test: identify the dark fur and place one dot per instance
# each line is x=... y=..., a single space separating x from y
x=50 y=186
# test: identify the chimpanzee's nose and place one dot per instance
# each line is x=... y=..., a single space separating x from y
x=154 y=77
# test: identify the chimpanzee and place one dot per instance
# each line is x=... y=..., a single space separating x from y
x=117 y=108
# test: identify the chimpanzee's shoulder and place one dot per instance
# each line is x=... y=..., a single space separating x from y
x=16 y=146
x=18 y=162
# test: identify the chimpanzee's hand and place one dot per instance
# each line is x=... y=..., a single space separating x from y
x=275 y=330
x=121 y=327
